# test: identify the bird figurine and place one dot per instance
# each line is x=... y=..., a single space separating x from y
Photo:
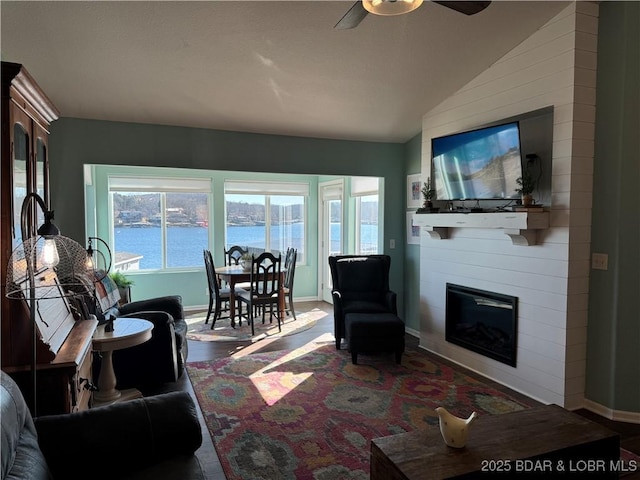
x=454 y=430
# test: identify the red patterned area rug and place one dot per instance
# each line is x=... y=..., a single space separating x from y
x=311 y=414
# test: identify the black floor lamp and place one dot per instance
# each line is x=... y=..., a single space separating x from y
x=44 y=266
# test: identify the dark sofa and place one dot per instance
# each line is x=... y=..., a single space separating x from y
x=146 y=438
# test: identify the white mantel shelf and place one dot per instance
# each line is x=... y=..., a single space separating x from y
x=521 y=227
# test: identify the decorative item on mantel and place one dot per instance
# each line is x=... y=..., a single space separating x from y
x=454 y=430
x=526 y=187
x=427 y=194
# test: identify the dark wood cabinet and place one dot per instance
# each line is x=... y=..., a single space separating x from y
x=64 y=372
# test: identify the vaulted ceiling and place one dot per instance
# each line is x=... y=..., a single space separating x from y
x=259 y=66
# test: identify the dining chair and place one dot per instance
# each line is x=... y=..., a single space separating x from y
x=264 y=289
x=218 y=296
x=290 y=270
x=233 y=255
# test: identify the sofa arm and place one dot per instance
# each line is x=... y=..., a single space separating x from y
x=106 y=442
x=172 y=304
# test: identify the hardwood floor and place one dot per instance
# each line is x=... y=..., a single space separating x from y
x=202 y=351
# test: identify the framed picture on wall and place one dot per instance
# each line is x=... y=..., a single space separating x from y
x=414 y=197
x=413 y=231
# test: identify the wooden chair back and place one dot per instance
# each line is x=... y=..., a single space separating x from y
x=233 y=255
x=265 y=275
x=290 y=267
x=212 y=279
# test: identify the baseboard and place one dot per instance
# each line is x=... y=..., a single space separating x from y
x=413 y=332
x=305 y=299
x=195 y=308
x=611 y=414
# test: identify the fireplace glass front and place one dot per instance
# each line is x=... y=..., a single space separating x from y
x=484 y=322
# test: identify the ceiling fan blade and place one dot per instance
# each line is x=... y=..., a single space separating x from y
x=353 y=17
x=468 y=8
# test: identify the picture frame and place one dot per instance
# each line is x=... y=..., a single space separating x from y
x=413 y=231
x=414 y=195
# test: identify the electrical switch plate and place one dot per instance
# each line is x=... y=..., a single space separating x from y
x=599 y=261
x=392 y=243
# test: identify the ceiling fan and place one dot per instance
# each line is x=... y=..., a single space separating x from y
x=361 y=9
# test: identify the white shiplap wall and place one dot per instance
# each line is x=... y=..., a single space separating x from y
x=556 y=66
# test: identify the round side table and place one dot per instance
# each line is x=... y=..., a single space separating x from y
x=127 y=332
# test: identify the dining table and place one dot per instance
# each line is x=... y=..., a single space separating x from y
x=236 y=274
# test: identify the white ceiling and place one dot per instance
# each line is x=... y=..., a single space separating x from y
x=259 y=66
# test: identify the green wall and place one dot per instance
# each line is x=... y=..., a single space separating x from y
x=76 y=142
x=613 y=343
x=413 y=158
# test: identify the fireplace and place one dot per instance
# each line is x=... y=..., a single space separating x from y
x=484 y=322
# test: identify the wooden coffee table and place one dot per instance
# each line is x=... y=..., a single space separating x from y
x=541 y=440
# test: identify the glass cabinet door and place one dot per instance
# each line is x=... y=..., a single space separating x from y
x=21 y=172
x=41 y=170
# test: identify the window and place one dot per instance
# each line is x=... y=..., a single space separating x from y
x=159 y=223
x=367 y=224
x=365 y=191
x=266 y=215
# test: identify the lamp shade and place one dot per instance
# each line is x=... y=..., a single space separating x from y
x=30 y=267
x=390 y=7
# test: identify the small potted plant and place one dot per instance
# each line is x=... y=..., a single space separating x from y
x=124 y=286
x=526 y=187
x=427 y=194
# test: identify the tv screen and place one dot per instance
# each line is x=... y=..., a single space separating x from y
x=480 y=164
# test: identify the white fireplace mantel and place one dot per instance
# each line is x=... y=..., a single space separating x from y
x=521 y=227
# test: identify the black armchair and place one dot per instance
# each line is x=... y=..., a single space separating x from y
x=157 y=361
x=161 y=359
x=360 y=285
x=146 y=438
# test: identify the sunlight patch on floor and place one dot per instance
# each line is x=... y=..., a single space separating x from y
x=272 y=392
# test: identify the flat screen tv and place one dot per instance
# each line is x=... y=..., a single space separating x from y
x=480 y=164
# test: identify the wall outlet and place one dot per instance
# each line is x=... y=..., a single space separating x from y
x=392 y=243
x=599 y=261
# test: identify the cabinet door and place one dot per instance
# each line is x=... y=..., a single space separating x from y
x=22 y=171
x=41 y=168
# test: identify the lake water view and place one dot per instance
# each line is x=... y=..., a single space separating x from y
x=185 y=244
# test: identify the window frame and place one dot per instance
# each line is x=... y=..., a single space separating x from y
x=161 y=186
x=268 y=190
x=362 y=187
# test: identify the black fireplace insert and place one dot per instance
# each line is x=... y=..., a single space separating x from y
x=484 y=322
